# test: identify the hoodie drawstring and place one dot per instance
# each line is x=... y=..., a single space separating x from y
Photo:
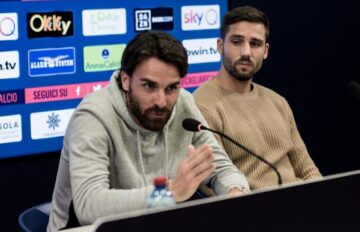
x=140 y=156
x=166 y=153
x=138 y=140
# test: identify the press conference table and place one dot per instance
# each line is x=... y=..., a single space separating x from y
x=330 y=204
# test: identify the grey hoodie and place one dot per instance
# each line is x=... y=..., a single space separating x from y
x=108 y=161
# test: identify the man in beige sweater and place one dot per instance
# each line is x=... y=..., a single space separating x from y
x=252 y=114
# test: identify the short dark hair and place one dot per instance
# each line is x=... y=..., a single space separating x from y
x=247 y=14
x=156 y=44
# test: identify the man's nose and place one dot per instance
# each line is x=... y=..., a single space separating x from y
x=160 y=99
x=246 y=49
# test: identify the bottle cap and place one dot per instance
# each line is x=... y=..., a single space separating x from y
x=160 y=180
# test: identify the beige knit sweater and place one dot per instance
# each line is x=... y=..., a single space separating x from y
x=262 y=121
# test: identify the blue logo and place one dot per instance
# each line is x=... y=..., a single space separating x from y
x=53 y=121
x=55 y=61
x=105 y=53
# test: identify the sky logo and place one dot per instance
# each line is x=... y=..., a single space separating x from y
x=104 y=22
x=49 y=124
x=201 y=50
x=10 y=129
x=8 y=26
x=55 y=61
x=200 y=17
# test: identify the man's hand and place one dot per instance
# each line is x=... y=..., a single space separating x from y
x=237 y=191
x=198 y=165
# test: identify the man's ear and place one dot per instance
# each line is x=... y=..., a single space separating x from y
x=220 y=45
x=125 y=81
x=267 y=47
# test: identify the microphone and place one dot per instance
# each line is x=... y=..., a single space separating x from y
x=354 y=89
x=193 y=125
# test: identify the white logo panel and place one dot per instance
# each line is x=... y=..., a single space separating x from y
x=201 y=50
x=200 y=17
x=9 y=64
x=8 y=26
x=104 y=22
x=49 y=124
x=10 y=129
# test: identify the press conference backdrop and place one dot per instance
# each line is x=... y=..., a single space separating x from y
x=53 y=53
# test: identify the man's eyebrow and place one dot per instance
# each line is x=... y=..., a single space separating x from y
x=175 y=83
x=251 y=39
x=144 y=79
x=236 y=36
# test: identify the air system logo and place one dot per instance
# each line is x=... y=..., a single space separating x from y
x=104 y=22
x=51 y=61
x=202 y=50
x=161 y=18
x=8 y=26
x=103 y=58
x=50 y=24
x=10 y=129
x=9 y=65
x=200 y=17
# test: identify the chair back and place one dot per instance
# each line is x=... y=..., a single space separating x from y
x=35 y=218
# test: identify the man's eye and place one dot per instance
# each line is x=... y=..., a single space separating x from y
x=172 y=88
x=236 y=42
x=256 y=44
x=148 y=86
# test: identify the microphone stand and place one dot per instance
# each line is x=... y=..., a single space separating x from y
x=249 y=151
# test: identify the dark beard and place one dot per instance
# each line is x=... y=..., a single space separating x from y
x=153 y=124
x=231 y=69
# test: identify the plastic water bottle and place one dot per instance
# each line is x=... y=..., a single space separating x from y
x=160 y=197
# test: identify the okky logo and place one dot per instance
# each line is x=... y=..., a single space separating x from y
x=50 y=24
x=200 y=17
x=8 y=26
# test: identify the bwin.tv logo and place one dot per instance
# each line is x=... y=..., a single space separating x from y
x=50 y=24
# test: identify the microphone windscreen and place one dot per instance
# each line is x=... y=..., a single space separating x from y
x=190 y=124
x=354 y=89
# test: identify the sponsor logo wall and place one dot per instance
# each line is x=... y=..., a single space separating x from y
x=55 y=52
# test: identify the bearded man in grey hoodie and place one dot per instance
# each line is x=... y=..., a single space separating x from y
x=121 y=137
